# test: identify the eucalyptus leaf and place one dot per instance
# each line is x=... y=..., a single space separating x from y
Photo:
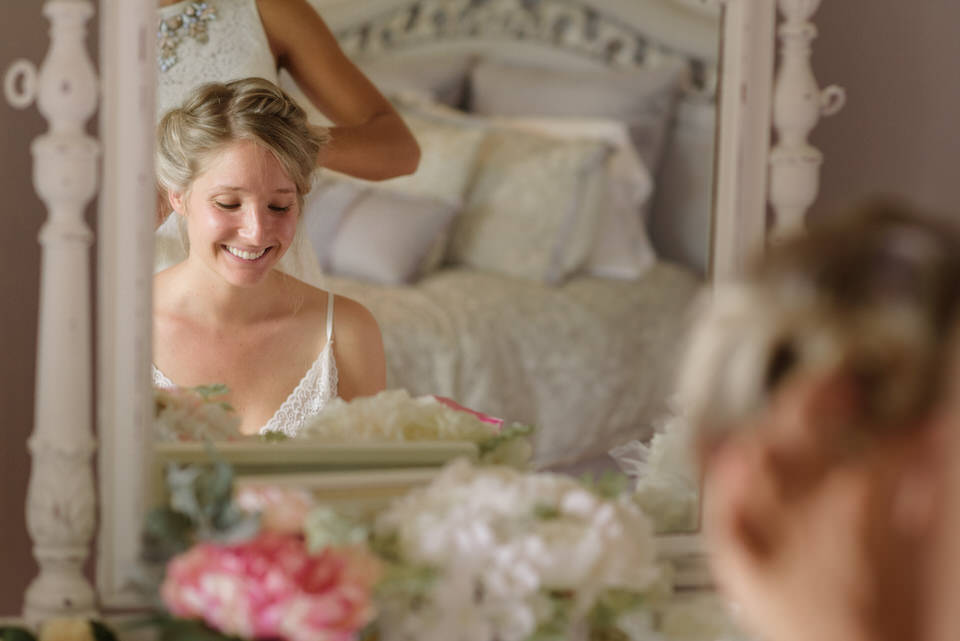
x=214 y=491
x=181 y=484
x=234 y=526
x=166 y=533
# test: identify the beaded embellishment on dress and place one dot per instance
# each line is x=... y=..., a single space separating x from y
x=189 y=23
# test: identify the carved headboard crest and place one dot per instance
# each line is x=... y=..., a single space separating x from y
x=571 y=25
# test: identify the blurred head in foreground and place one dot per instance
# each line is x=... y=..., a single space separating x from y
x=825 y=387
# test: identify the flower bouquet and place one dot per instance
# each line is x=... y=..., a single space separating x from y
x=395 y=416
x=494 y=554
x=225 y=576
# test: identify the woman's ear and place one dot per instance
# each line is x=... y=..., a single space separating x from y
x=177 y=201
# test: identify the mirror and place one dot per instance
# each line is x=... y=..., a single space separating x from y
x=528 y=259
x=128 y=113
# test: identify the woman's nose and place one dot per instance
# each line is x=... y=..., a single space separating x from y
x=255 y=222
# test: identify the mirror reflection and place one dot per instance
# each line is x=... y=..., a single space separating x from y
x=512 y=209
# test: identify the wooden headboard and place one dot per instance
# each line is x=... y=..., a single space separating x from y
x=571 y=33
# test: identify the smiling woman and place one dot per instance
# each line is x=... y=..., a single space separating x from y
x=236 y=161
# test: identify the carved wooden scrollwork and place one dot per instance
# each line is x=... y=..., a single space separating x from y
x=565 y=24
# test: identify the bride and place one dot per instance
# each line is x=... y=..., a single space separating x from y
x=236 y=161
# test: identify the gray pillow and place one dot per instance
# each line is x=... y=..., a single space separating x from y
x=386 y=237
x=643 y=98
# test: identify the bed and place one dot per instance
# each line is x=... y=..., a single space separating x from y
x=539 y=263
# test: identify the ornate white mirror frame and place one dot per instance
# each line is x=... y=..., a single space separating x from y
x=62 y=502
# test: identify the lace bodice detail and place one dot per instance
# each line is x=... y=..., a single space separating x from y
x=237 y=47
x=317 y=387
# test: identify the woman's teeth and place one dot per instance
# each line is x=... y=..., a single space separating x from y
x=239 y=253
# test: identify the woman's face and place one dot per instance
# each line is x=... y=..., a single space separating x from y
x=241 y=213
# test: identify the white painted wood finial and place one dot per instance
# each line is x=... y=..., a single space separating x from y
x=798 y=104
x=61 y=503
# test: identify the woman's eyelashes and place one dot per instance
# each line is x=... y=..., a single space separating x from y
x=280 y=209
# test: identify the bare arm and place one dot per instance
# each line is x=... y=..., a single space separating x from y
x=369 y=139
x=358 y=349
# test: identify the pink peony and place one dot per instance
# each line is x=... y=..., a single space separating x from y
x=281 y=509
x=449 y=402
x=272 y=588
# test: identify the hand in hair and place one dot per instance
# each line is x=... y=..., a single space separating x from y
x=370 y=140
x=823 y=386
x=813 y=540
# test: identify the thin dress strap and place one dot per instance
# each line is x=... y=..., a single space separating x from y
x=330 y=298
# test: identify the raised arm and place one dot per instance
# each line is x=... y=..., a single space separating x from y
x=370 y=140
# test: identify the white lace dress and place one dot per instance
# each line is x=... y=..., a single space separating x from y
x=236 y=47
x=317 y=387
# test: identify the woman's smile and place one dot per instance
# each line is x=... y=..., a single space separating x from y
x=241 y=213
x=249 y=255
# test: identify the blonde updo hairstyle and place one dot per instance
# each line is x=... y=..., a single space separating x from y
x=217 y=114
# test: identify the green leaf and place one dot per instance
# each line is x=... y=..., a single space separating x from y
x=274 y=437
x=546 y=512
x=13 y=633
x=210 y=391
x=187 y=630
x=101 y=632
x=166 y=533
x=405 y=581
x=516 y=430
x=181 y=483
x=214 y=490
x=608 y=485
x=606 y=612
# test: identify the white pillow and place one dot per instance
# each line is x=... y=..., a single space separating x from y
x=385 y=236
x=622 y=248
x=529 y=212
x=448 y=152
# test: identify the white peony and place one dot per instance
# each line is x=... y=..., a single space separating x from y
x=500 y=542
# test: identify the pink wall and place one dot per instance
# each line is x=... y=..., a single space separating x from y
x=23 y=34
x=899 y=133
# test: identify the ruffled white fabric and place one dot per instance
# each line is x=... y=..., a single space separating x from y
x=590 y=363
